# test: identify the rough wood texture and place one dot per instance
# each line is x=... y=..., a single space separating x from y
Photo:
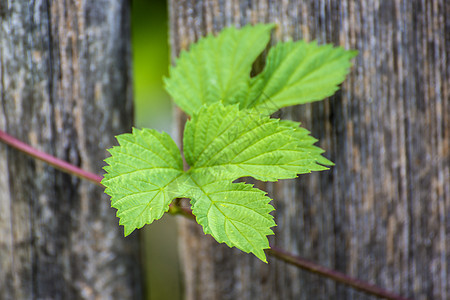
x=65 y=85
x=382 y=213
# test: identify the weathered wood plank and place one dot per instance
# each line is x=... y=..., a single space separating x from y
x=382 y=213
x=65 y=89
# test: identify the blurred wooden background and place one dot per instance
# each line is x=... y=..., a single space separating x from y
x=66 y=89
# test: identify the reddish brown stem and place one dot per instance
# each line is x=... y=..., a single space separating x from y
x=332 y=274
x=186 y=212
x=51 y=160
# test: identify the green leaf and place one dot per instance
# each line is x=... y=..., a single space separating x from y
x=139 y=176
x=233 y=213
x=229 y=136
x=221 y=144
x=306 y=142
x=217 y=68
x=297 y=73
x=240 y=144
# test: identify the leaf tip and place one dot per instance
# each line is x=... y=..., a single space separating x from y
x=261 y=255
x=127 y=231
x=104 y=181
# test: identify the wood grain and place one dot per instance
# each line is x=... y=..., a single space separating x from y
x=66 y=90
x=382 y=213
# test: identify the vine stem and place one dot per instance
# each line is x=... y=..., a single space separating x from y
x=332 y=274
x=51 y=160
x=186 y=212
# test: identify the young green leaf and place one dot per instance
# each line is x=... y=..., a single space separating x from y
x=145 y=172
x=233 y=213
x=240 y=144
x=217 y=67
x=139 y=176
x=230 y=136
x=297 y=73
